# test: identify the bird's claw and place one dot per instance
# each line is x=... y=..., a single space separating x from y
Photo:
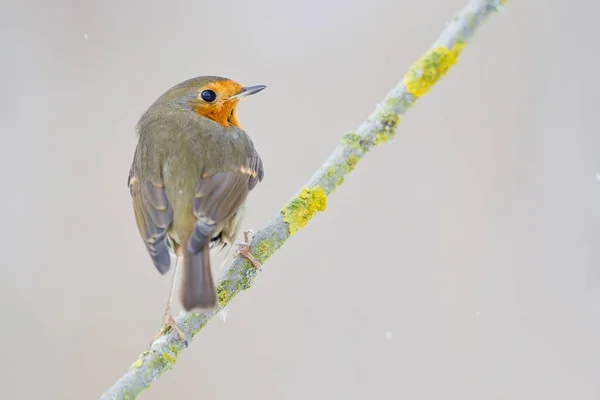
x=170 y=324
x=243 y=249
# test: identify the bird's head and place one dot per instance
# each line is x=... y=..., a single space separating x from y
x=213 y=97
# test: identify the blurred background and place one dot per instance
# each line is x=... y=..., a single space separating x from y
x=461 y=261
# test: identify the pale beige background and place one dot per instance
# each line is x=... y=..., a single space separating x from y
x=473 y=238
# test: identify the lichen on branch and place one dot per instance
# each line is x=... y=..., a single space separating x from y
x=430 y=68
x=300 y=209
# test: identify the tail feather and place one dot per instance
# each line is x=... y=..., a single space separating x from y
x=198 y=290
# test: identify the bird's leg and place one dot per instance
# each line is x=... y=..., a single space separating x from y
x=168 y=321
x=244 y=249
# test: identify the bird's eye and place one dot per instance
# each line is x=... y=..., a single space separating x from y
x=208 y=96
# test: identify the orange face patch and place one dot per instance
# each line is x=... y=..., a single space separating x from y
x=222 y=110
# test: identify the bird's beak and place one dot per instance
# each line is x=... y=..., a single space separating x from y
x=247 y=91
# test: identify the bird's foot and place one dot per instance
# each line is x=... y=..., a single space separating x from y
x=169 y=324
x=243 y=249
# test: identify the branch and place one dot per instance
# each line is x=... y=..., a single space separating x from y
x=379 y=128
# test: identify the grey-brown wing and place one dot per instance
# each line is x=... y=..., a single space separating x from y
x=218 y=196
x=256 y=170
x=153 y=216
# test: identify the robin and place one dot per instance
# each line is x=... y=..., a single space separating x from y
x=192 y=170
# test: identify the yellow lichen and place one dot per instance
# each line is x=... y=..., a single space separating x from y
x=222 y=293
x=169 y=358
x=138 y=363
x=265 y=248
x=334 y=175
x=299 y=210
x=351 y=163
x=174 y=349
x=353 y=140
x=423 y=74
x=389 y=121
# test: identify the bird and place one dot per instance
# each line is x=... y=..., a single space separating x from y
x=192 y=170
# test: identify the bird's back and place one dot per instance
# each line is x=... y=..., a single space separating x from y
x=191 y=147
